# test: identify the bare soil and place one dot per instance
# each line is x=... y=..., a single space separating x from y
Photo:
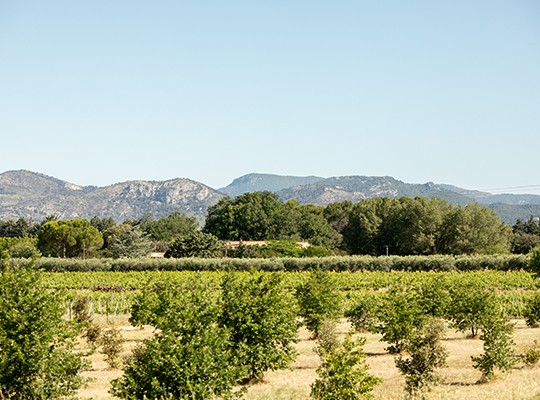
x=459 y=377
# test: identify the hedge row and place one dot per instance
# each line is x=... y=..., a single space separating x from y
x=345 y=263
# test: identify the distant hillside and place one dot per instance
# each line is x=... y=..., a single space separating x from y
x=357 y=188
x=488 y=198
x=510 y=213
x=261 y=182
x=32 y=195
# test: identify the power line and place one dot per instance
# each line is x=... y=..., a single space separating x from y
x=513 y=188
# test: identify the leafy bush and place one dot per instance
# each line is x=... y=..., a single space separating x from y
x=426 y=354
x=344 y=373
x=111 y=346
x=20 y=247
x=318 y=300
x=173 y=366
x=195 y=244
x=498 y=353
x=531 y=355
x=434 y=295
x=81 y=311
x=259 y=312
x=363 y=315
x=36 y=344
x=532 y=311
x=93 y=334
x=399 y=317
x=534 y=261
x=471 y=307
x=190 y=358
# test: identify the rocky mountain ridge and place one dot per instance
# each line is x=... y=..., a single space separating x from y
x=33 y=195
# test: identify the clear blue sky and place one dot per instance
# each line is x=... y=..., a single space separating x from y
x=102 y=91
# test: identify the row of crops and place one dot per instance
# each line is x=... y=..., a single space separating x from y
x=113 y=292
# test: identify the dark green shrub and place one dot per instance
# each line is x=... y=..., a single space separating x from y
x=399 y=317
x=426 y=354
x=532 y=311
x=93 y=334
x=112 y=344
x=471 y=306
x=534 y=261
x=318 y=300
x=498 y=353
x=363 y=315
x=344 y=373
x=172 y=366
x=191 y=357
x=36 y=343
x=81 y=311
x=259 y=312
x=195 y=244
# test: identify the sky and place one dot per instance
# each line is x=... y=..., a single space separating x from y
x=99 y=92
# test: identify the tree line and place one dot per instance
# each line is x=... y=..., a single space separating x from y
x=378 y=226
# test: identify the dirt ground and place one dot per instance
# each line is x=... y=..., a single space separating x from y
x=459 y=377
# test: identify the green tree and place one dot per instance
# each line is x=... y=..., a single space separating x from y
x=251 y=216
x=426 y=354
x=363 y=314
x=400 y=316
x=534 y=262
x=314 y=228
x=526 y=235
x=195 y=244
x=498 y=343
x=260 y=314
x=36 y=343
x=191 y=357
x=366 y=232
x=18 y=228
x=472 y=228
x=168 y=228
x=470 y=307
x=20 y=247
x=415 y=225
x=344 y=373
x=318 y=300
x=125 y=240
x=337 y=215
x=69 y=238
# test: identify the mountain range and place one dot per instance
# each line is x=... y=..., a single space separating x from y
x=33 y=195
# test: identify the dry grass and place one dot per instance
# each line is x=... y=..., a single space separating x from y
x=459 y=377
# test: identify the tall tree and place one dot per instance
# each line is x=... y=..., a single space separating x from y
x=69 y=238
x=168 y=228
x=366 y=232
x=124 y=240
x=471 y=229
x=251 y=216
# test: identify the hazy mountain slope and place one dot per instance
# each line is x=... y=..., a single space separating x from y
x=510 y=213
x=504 y=198
x=31 y=195
x=356 y=188
x=262 y=182
x=515 y=199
